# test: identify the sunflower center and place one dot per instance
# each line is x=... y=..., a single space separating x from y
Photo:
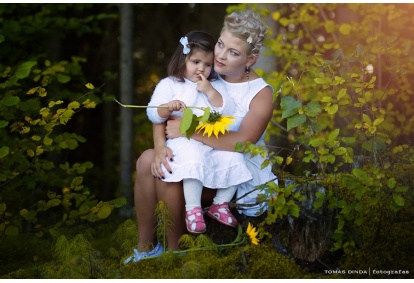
x=214 y=117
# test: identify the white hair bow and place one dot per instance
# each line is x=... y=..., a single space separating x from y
x=184 y=42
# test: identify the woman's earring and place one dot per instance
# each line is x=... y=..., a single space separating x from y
x=247 y=70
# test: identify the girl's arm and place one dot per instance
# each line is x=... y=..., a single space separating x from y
x=174 y=105
x=251 y=128
x=213 y=96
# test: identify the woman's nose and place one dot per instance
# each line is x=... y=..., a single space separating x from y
x=220 y=54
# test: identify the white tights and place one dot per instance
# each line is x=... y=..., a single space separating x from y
x=193 y=189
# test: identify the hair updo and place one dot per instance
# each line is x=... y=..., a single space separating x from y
x=245 y=24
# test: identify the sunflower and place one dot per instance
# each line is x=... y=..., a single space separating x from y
x=215 y=124
x=251 y=231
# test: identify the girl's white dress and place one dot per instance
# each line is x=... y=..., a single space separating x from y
x=192 y=159
x=242 y=94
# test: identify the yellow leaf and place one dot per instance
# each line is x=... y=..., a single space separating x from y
x=30 y=152
x=345 y=29
x=89 y=104
x=276 y=15
x=73 y=105
x=329 y=26
x=288 y=160
x=89 y=86
x=39 y=151
x=47 y=140
x=32 y=90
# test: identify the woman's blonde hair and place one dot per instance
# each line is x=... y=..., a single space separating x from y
x=247 y=26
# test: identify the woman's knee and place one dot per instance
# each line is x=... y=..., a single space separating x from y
x=145 y=160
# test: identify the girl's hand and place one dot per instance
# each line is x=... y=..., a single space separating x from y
x=162 y=154
x=176 y=105
x=172 y=129
x=204 y=85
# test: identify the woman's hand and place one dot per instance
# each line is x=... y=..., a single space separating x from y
x=162 y=154
x=172 y=129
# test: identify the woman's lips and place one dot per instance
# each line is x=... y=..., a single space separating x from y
x=219 y=64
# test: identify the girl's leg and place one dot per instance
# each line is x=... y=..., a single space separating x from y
x=224 y=195
x=172 y=194
x=145 y=199
x=194 y=213
x=192 y=193
x=219 y=210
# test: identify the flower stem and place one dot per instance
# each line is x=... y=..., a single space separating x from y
x=140 y=106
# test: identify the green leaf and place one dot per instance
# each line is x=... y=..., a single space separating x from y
x=47 y=140
x=206 y=115
x=322 y=81
x=313 y=109
x=10 y=101
x=360 y=174
x=339 y=151
x=316 y=142
x=332 y=109
x=4 y=151
x=11 y=231
x=193 y=126
x=53 y=202
x=398 y=200
x=289 y=106
x=63 y=78
x=3 y=123
x=294 y=211
x=186 y=120
x=341 y=93
x=119 y=202
x=104 y=212
x=295 y=121
x=24 y=69
x=239 y=147
x=391 y=183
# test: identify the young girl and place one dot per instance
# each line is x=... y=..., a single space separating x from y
x=187 y=84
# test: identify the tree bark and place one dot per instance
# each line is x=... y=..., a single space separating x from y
x=126 y=89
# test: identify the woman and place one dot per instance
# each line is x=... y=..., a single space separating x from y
x=236 y=51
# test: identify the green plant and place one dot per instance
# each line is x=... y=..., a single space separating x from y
x=343 y=72
x=34 y=111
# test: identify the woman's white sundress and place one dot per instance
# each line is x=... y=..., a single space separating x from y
x=193 y=159
x=242 y=94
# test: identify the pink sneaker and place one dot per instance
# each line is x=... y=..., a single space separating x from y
x=195 y=221
x=222 y=214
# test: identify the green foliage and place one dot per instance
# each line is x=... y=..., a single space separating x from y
x=34 y=110
x=164 y=220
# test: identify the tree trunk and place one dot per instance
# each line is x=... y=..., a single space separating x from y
x=126 y=88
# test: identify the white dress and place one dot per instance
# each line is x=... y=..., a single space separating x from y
x=193 y=159
x=242 y=94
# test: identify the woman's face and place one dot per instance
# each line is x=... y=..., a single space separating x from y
x=230 y=55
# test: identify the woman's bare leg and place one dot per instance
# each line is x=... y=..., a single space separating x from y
x=145 y=199
x=172 y=194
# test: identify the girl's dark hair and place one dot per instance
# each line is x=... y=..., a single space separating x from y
x=196 y=40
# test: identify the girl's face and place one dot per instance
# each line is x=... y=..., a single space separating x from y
x=230 y=56
x=199 y=62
